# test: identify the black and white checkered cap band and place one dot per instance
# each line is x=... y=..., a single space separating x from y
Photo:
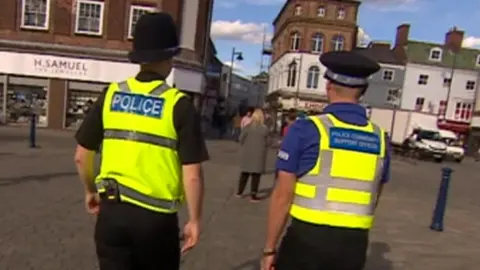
x=346 y=80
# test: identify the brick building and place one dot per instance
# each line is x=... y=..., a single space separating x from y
x=303 y=30
x=57 y=55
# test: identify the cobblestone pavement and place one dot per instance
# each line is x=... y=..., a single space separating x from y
x=43 y=224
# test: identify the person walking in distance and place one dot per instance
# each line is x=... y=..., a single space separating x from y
x=152 y=150
x=254 y=146
x=332 y=168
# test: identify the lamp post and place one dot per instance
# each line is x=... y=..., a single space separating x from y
x=297 y=92
x=396 y=104
x=449 y=90
x=239 y=57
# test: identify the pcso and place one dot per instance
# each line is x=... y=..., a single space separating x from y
x=152 y=150
x=331 y=170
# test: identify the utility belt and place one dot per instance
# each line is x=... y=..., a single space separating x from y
x=111 y=191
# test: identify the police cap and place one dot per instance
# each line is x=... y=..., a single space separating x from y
x=348 y=68
x=155 y=38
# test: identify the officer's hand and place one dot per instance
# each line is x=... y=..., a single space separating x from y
x=268 y=262
x=92 y=203
x=191 y=233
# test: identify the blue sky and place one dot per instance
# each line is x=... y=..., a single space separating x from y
x=240 y=23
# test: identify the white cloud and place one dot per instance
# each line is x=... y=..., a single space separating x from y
x=362 y=38
x=236 y=66
x=471 y=42
x=240 y=31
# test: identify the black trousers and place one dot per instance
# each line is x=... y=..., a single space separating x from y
x=128 y=237
x=326 y=249
x=242 y=182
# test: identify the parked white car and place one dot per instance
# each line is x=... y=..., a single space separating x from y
x=455 y=149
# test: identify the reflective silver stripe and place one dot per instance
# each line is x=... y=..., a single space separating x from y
x=344 y=79
x=135 y=195
x=160 y=89
x=123 y=87
x=140 y=137
x=324 y=180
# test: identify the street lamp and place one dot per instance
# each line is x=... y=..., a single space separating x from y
x=452 y=71
x=239 y=57
x=297 y=92
x=395 y=103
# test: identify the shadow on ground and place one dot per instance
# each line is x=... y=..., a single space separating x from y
x=37 y=177
x=376 y=259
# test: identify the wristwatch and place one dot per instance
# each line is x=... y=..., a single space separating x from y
x=269 y=252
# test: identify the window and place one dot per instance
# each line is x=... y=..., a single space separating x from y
x=419 y=103
x=463 y=111
x=35 y=14
x=478 y=60
x=436 y=54
x=321 y=12
x=442 y=108
x=447 y=82
x=393 y=96
x=317 y=43
x=292 y=75
x=470 y=85
x=312 y=77
x=89 y=17
x=295 y=41
x=423 y=79
x=338 y=42
x=341 y=14
x=298 y=10
x=388 y=75
x=135 y=13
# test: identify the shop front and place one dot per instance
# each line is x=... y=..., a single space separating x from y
x=60 y=90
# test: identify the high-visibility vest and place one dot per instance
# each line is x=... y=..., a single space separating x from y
x=139 y=148
x=341 y=189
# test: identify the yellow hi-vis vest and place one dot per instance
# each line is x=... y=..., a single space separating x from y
x=139 y=147
x=341 y=189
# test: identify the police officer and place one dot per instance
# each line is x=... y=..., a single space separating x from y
x=331 y=171
x=152 y=150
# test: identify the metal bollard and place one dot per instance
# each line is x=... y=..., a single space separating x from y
x=33 y=131
x=439 y=212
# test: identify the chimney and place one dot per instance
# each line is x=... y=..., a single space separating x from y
x=454 y=39
x=401 y=38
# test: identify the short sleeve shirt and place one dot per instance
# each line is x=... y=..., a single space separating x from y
x=187 y=122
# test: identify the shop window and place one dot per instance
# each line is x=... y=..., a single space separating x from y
x=89 y=17
x=79 y=104
x=35 y=14
x=22 y=101
x=135 y=13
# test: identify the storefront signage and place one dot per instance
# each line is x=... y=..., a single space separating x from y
x=314 y=106
x=60 y=66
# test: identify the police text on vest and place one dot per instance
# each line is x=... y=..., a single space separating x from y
x=138 y=104
x=354 y=140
